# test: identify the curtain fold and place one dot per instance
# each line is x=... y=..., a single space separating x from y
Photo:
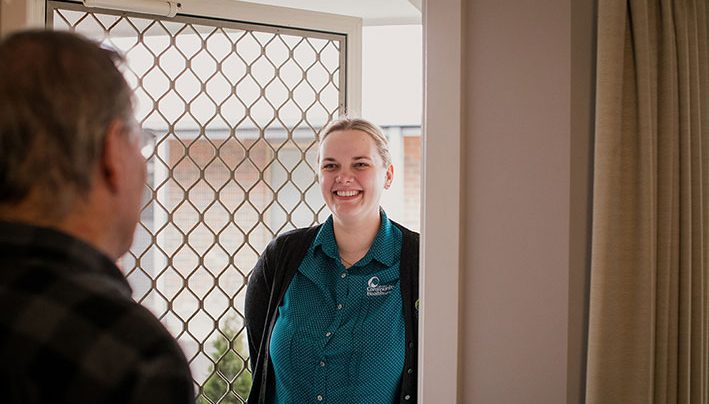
x=648 y=336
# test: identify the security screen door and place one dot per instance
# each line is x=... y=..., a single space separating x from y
x=235 y=110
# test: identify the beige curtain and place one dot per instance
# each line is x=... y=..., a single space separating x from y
x=649 y=311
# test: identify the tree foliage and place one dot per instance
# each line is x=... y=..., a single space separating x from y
x=230 y=379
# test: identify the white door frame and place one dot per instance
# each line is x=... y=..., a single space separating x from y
x=441 y=201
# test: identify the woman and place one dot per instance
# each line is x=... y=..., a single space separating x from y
x=330 y=309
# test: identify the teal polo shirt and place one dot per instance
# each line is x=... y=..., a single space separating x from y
x=339 y=335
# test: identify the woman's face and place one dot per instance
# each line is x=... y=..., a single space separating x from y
x=352 y=175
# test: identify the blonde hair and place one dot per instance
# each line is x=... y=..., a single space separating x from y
x=361 y=125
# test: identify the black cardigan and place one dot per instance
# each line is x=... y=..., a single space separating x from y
x=269 y=281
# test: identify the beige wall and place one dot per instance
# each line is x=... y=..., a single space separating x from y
x=19 y=14
x=527 y=76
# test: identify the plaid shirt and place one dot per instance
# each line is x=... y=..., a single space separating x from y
x=70 y=332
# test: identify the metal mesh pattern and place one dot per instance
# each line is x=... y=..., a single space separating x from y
x=235 y=110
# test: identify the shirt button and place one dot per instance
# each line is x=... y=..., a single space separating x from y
x=339 y=306
x=327 y=334
x=322 y=364
x=319 y=397
x=343 y=275
x=407 y=397
x=410 y=371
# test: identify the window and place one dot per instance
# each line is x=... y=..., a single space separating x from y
x=235 y=109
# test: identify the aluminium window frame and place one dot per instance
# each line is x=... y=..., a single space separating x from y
x=22 y=14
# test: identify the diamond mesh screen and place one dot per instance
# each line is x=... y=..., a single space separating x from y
x=235 y=109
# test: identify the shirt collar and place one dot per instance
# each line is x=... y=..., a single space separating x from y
x=386 y=247
x=75 y=256
x=380 y=250
x=325 y=240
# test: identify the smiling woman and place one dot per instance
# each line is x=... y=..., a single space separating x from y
x=322 y=300
x=355 y=168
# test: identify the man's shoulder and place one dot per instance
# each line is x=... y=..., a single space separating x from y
x=84 y=334
x=91 y=311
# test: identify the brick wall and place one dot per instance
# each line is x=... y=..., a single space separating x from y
x=412 y=181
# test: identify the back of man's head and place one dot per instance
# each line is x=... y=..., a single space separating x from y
x=59 y=93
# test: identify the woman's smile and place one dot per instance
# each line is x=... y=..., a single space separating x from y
x=352 y=175
x=347 y=194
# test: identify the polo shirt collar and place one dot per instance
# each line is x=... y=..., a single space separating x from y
x=380 y=249
x=325 y=240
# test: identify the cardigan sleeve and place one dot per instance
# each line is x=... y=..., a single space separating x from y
x=268 y=281
x=258 y=292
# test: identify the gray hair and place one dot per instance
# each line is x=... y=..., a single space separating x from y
x=365 y=126
x=59 y=93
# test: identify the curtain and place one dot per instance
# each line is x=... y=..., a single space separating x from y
x=648 y=338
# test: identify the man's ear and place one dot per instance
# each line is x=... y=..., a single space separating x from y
x=111 y=164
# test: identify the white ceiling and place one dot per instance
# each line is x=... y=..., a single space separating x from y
x=372 y=12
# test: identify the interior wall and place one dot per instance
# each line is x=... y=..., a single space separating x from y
x=20 y=14
x=526 y=155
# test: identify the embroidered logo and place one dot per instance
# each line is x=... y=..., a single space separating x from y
x=375 y=289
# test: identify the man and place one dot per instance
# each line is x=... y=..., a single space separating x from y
x=71 y=178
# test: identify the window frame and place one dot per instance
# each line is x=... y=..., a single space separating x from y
x=22 y=14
